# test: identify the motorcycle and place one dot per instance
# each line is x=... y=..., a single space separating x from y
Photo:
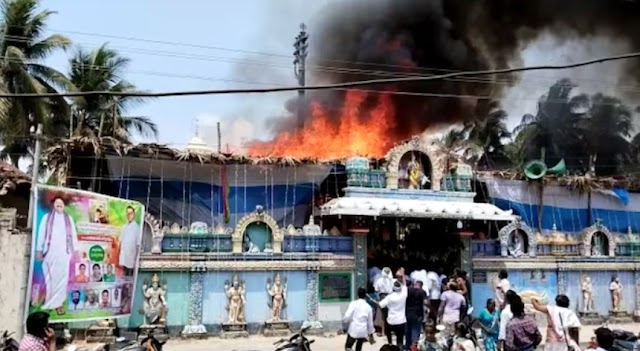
x=297 y=342
x=149 y=343
x=9 y=343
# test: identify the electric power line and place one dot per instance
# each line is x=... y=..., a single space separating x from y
x=327 y=86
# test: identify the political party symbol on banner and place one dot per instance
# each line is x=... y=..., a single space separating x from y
x=85 y=252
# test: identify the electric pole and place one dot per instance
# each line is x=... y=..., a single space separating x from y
x=300 y=55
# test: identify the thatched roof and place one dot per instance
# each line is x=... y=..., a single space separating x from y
x=57 y=155
x=581 y=183
x=11 y=177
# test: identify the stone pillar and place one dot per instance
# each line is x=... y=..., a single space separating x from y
x=195 y=328
x=312 y=321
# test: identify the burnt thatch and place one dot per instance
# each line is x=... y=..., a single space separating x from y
x=11 y=178
x=58 y=154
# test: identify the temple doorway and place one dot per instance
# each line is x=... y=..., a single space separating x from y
x=415 y=244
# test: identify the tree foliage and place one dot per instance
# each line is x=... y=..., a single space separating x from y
x=25 y=49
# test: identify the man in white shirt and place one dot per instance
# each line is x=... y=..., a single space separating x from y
x=359 y=316
x=434 y=284
x=396 y=302
x=421 y=275
x=383 y=287
x=501 y=289
x=505 y=317
x=130 y=243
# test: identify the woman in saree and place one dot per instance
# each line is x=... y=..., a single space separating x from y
x=563 y=326
x=490 y=321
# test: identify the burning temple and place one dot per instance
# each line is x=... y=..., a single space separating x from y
x=246 y=245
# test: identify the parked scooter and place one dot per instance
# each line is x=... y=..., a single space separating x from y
x=147 y=344
x=297 y=342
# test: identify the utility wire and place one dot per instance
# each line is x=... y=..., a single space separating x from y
x=325 y=86
x=409 y=70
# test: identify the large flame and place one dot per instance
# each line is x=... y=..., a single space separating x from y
x=325 y=138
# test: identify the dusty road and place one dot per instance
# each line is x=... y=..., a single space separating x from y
x=335 y=343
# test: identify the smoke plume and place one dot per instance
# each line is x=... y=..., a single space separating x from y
x=370 y=39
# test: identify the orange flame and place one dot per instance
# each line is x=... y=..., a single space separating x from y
x=326 y=138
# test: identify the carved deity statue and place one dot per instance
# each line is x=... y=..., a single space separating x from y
x=251 y=247
x=414 y=173
x=155 y=304
x=587 y=294
x=516 y=244
x=277 y=301
x=235 y=292
x=615 y=288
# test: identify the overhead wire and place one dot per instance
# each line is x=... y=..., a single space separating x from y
x=326 y=86
x=415 y=71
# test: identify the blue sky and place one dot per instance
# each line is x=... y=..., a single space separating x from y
x=239 y=25
x=265 y=26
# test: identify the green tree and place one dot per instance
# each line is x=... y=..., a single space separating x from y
x=102 y=70
x=556 y=131
x=608 y=124
x=24 y=48
x=487 y=132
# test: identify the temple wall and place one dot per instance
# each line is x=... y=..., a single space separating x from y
x=15 y=251
x=256 y=310
x=546 y=277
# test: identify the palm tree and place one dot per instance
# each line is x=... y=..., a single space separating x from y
x=487 y=133
x=23 y=49
x=608 y=127
x=97 y=116
x=454 y=146
x=556 y=130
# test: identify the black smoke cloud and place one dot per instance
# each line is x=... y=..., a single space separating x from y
x=369 y=39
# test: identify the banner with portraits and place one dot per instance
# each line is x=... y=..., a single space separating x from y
x=84 y=255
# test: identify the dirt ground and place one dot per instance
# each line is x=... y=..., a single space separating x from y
x=331 y=342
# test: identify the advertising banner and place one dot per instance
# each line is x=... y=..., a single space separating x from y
x=84 y=255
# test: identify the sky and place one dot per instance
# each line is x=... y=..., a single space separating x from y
x=197 y=44
x=225 y=32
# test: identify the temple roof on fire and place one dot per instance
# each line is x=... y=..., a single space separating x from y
x=362 y=206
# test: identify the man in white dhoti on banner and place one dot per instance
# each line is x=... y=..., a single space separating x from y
x=56 y=244
x=130 y=243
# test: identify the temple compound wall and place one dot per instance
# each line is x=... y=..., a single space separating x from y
x=15 y=250
x=597 y=269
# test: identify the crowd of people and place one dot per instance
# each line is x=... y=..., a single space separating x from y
x=437 y=306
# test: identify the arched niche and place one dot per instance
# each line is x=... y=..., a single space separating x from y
x=517 y=240
x=416 y=146
x=258 y=218
x=152 y=235
x=591 y=237
x=414 y=161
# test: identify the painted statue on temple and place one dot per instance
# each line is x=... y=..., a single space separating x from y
x=599 y=245
x=587 y=294
x=516 y=244
x=615 y=288
x=235 y=292
x=277 y=300
x=155 y=304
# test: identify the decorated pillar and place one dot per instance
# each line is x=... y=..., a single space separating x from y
x=562 y=281
x=465 y=254
x=312 y=321
x=195 y=328
x=636 y=276
x=359 y=229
